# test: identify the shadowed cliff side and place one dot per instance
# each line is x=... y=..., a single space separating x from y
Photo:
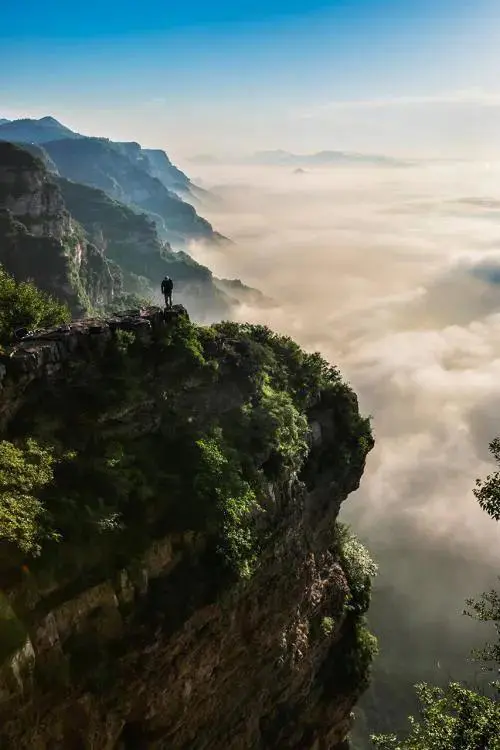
x=39 y=239
x=171 y=567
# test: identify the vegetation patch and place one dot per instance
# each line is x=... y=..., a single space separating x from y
x=23 y=305
x=327 y=626
x=347 y=668
x=25 y=470
x=181 y=434
x=358 y=566
x=451 y=718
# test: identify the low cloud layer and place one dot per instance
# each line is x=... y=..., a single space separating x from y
x=394 y=275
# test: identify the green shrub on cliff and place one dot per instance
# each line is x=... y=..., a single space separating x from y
x=350 y=659
x=358 y=566
x=286 y=427
x=23 y=305
x=25 y=470
x=327 y=626
x=219 y=482
x=349 y=662
x=302 y=374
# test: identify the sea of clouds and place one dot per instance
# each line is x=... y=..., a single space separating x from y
x=394 y=275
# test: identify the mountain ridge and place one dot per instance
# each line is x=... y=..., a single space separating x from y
x=98 y=163
x=35 y=130
x=142 y=178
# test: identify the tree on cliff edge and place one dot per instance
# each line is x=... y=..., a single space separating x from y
x=23 y=305
x=458 y=717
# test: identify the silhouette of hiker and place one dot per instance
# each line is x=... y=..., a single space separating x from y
x=167 y=286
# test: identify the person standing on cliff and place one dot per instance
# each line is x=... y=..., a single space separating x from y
x=167 y=286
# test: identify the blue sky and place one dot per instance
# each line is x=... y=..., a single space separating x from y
x=237 y=76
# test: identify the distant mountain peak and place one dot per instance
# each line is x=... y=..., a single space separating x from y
x=32 y=130
x=49 y=120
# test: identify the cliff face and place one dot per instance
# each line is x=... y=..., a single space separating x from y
x=162 y=168
x=38 y=151
x=157 y=164
x=29 y=195
x=40 y=240
x=177 y=578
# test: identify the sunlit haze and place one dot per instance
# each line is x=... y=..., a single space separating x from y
x=393 y=274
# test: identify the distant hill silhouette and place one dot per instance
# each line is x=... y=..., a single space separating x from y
x=280 y=158
x=35 y=131
x=321 y=158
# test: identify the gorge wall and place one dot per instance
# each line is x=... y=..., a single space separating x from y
x=172 y=571
x=39 y=239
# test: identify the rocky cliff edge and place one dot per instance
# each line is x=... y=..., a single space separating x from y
x=172 y=572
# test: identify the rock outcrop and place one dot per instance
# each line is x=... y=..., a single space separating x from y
x=26 y=192
x=196 y=593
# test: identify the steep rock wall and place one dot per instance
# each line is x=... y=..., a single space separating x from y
x=40 y=240
x=145 y=640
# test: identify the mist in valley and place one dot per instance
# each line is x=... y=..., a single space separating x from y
x=394 y=275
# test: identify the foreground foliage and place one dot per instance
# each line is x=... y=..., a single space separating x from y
x=358 y=566
x=455 y=718
x=23 y=305
x=191 y=429
x=24 y=471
